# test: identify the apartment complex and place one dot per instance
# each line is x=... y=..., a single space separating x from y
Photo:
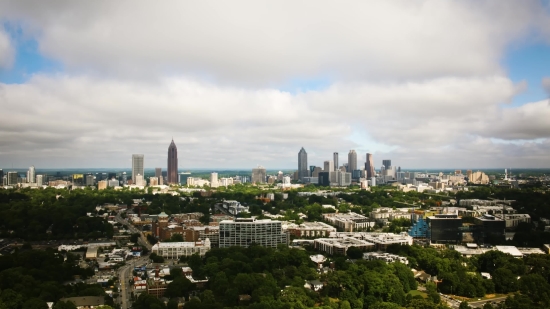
x=246 y=231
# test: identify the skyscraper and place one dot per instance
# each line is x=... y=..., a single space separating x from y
x=31 y=175
x=369 y=166
x=387 y=164
x=352 y=161
x=39 y=180
x=335 y=160
x=302 y=164
x=172 y=175
x=158 y=172
x=328 y=166
x=258 y=174
x=137 y=166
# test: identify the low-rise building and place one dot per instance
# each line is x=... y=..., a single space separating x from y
x=340 y=246
x=380 y=240
x=173 y=250
x=309 y=229
x=349 y=222
x=386 y=257
x=513 y=220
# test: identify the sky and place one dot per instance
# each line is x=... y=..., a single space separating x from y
x=236 y=84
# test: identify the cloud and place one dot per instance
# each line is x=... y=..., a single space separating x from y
x=253 y=43
x=7 y=51
x=101 y=122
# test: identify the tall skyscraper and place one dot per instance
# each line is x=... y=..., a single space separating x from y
x=31 y=176
x=302 y=164
x=328 y=166
x=387 y=164
x=137 y=166
x=172 y=175
x=258 y=174
x=214 y=180
x=335 y=160
x=12 y=178
x=158 y=172
x=369 y=166
x=352 y=161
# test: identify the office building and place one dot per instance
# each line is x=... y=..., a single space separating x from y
x=489 y=229
x=12 y=178
x=153 y=181
x=172 y=171
x=335 y=160
x=316 y=171
x=214 y=180
x=355 y=174
x=343 y=178
x=1 y=174
x=258 y=174
x=137 y=166
x=302 y=164
x=158 y=172
x=328 y=166
x=113 y=183
x=31 y=175
x=369 y=166
x=386 y=164
x=352 y=161
x=246 y=231
x=39 y=180
x=102 y=185
x=324 y=179
x=90 y=180
x=444 y=228
x=124 y=178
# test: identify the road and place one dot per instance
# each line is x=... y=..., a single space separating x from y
x=124 y=275
x=453 y=303
x=142 y=240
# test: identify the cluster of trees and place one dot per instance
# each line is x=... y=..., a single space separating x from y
x=259 y=277
x=30 y=278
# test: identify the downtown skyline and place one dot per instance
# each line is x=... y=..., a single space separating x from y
x=440 y=93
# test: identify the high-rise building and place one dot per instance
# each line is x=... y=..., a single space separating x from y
x=153 y=181
x=12 y=178
x=172 y=175
x=31 y=175
x=244 y=232
x=258 y=174
x=158 y=172
x=335 y=160
x=39 y=180
x=214 y=180
x=302 y=164
x=137 y=166
x=89 y=180
x=386 y=164
x=352 y=161
x=369 y=166
x=328 y=166
x=102 y=185
x=1 y=174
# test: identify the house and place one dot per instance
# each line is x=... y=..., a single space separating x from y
x=314 y=285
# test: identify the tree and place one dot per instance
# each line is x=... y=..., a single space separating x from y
x=505 y=281
x=464 y=305
x=178 y=288
x=64 y=305
x=35 y=303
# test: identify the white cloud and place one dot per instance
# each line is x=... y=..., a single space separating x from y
x=260 y=43
x=6 y=50
x=104 y=121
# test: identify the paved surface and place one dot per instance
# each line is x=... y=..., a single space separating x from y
x=124 y=276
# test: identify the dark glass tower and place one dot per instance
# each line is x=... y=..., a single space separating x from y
x=172 y=174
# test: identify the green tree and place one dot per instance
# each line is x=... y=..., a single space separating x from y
x=354 y=253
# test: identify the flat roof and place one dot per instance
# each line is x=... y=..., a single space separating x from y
x=513 y=251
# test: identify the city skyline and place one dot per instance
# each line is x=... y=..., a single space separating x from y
x=435 y=95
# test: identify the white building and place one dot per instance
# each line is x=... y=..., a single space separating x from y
x=246 y=231
x=349 y=222
x=214 y=180
x=341 y=245
x=381 y=240
x=173 y=250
